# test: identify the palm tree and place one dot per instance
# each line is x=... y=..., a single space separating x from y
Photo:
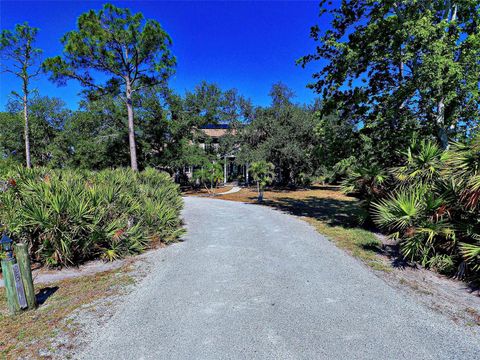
x=366 y=181
x=262 y=173
x=423 y=163
x=211 y=174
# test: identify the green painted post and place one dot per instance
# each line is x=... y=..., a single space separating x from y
x=9 y=281
x=23 y=260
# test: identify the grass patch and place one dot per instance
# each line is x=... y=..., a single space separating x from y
x=361 y=243
x=332 y=213
x=27 y=334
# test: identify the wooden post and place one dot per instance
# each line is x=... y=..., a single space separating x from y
x=23 y=260
x=9 y=281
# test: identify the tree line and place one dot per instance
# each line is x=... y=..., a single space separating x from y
x=133 y=115
x=389 y=72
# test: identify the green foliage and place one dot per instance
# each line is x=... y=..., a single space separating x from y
x=118 y=43
x=424 y=161
x=11 y=137
x=47 y=117
x=393 y=68
x=94 y=137
x=337 y=145
x=444 y=264
x=262 y=172
x=435 y=213
x=282 y=134
x=19 y=57
x=133 y=52
x=367 y=181
x=209 y=174
x=463 y=165
x=68 y=217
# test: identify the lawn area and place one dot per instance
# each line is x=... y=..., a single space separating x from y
x=30 y=335
x=330 y=211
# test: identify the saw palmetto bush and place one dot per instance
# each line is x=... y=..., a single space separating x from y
x=68 y=217
x=433 y=209
x=369 y=183
x=423 y=162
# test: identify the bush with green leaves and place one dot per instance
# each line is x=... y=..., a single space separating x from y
x=433 y=207
x=67 y=217
x=210 y=175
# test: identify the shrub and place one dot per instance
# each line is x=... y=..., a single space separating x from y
x=337 y=173
x=433 y=207
x=443 y=264
x=68 y=217
x=304 y=180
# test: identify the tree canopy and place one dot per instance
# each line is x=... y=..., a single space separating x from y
x=397 y=67
x=133 y=52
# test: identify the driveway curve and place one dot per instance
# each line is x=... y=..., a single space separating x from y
x=250 y=282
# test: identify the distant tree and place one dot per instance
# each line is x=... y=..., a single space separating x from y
x=208 y=104
x=399 y=67
x=133 y=51
x=21 y=56
x=47 y=117
x=12 y=145
x=337 y=139
x=95 y=136
x=283 y=133
x=281 y=95
x=262 y=173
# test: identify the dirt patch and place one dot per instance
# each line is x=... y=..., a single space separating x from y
x=451 y=297
x=43 y=275
x=70 y=311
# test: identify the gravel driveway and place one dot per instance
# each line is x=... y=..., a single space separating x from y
x=250 y=282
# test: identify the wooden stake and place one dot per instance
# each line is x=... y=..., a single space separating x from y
x=23 y=260
x=9 y=280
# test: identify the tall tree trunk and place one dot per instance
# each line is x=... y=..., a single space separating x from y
x=442 y=131
x=260 y=192
x=441 y=126
x=131 y=127
x=26 y=129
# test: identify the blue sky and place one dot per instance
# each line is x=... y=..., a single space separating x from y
x=243 y=45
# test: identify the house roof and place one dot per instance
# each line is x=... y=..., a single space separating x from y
x=216 y=126
x=215 y=130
